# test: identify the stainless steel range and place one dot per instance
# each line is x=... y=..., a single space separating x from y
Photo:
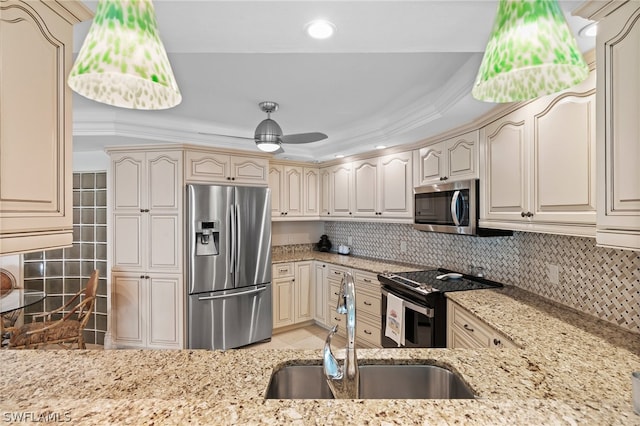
x=425 y=307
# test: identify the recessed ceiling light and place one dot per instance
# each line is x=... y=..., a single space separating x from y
x=589 y=30
x=381 y=146
x=339 y=155
x=320 y=29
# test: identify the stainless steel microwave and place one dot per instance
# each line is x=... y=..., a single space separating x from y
x=450 y=208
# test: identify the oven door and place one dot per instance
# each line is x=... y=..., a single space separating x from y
x=448 y=207
x=419 y=329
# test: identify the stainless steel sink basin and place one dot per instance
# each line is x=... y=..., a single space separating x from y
x=414 y=381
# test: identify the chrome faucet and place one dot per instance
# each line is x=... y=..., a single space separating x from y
x=343 y=381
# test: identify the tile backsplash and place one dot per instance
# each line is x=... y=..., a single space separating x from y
x=61 y=273
x=599 y=281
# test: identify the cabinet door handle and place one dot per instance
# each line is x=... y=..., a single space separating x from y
x=529 y=214
x=523 y=214
x=367 y=303
x=497 y=342
x=466 y=327
x=228 y=177
x=335 y=293
x=367 y=332
x=141 y=277
x=233 y=178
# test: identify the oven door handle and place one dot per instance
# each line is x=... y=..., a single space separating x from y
x=454 y=208
x=428 y=312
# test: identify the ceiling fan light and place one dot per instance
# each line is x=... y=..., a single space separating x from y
x=267 y=146
x=531 y=53
x=320 y=29
x=122 y=61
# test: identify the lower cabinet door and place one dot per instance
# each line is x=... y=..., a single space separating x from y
x=147 y=310
x=283 y=302
x=128 y=309
x=303 y=292
x=165 y=311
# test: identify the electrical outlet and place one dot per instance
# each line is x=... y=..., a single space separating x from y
x=349 y=240
x=403 y=246
x=553 y=273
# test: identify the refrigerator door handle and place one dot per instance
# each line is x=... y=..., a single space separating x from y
x=233 y=238
x=237 y=237
x=242 y=293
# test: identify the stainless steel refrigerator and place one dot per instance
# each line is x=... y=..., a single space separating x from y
x=228 y=266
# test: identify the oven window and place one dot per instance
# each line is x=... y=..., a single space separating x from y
x=435 y=208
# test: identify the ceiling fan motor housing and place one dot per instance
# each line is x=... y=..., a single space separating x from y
x=268 y=131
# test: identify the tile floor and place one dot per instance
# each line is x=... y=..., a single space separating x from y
x=309 y=337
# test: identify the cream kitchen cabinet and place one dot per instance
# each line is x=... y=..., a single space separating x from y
x=618 y=124
x=465 y=330
x=294 y=191
x=449 y=160
x=292 y=293
x=325 y=191
x=540 y=165
x=382 y=187
x=205 y=166
x=146 y=294
x=334 y=280
x=368 y=308
x=147 y=310
x=36 y=195
x=146 y=199
x=341 y=190
x=320 y=294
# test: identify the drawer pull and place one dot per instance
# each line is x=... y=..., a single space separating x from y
x=337 y=319
x=335 y=293
x=366 y=280
x=284 y=270
x=367 y=332
x=367 y=303
x=466 y=327
x=337 y=273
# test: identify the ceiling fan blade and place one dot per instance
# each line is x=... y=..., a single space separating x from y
x=303 y=137
x=226 y=136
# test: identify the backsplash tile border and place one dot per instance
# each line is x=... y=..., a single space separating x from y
x=599 y=281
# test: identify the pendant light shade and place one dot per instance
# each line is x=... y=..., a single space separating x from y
x=123 y=61
x=531 y=53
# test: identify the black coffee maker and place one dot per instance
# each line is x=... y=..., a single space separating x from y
x=324 y=244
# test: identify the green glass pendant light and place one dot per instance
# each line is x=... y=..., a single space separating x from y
x=531 y=53
x=123 y=61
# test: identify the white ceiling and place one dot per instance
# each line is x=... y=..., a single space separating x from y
x=394 y=73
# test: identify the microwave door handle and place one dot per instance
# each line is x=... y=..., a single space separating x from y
x=454 y=208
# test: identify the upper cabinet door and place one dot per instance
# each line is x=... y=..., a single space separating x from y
x=276 y=184
x=36 y=198
x=325 y=191
x=366 y=190
x=564 y=158
x=430 y=164
x=253 y=171
x=128 y=180
x=462 y=157
x=507 y=156
x=396 y=194
x=311 y=192
x=207 y=167
x=618 y=137
x=293 y=191
x=341 y=190
x=164 y=177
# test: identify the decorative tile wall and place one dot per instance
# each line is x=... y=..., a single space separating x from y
x=61 y=273
x=599 y=281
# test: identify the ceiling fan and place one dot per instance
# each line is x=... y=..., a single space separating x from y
x=268 y=135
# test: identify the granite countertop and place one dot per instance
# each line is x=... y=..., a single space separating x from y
x=363 y=263
x=570 y=369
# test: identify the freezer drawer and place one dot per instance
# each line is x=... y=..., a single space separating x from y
x=230 y=319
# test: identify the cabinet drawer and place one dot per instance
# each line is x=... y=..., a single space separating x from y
x=281 y=270
x=368 y=330
x=367 y=280
x=338 y=319
x=334 y=291
x=337 y=272
x=369 y=303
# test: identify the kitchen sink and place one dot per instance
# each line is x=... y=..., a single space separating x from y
x=378 y=381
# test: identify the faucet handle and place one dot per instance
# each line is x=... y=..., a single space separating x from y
x=332 y=370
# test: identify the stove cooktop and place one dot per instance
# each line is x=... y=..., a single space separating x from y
x=425 y=282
